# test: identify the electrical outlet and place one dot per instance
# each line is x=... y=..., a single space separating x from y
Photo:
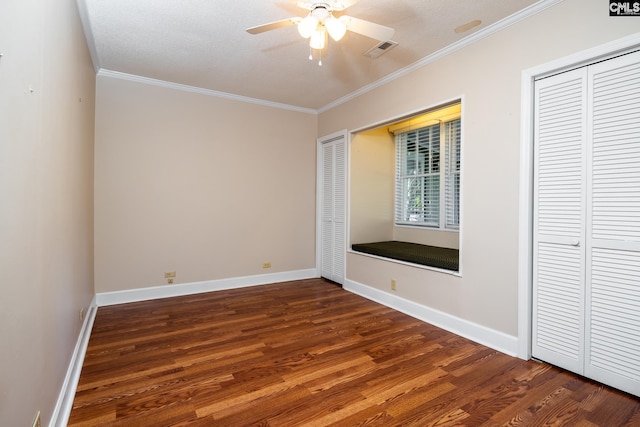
x=36 y=421
x=394 y=285
x=266 y=264
x=169 y=275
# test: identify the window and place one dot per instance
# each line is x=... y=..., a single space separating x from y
x=428 y=174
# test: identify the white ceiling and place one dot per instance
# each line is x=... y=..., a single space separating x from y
x=203 y=43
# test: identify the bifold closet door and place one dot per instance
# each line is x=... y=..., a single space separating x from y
x=559 y=211
x=333 y=207
x=613 y=224
x=586 y=284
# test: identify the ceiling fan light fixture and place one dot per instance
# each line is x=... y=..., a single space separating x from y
x=318 y=37
x=308 y=26
x=335 y=27
x=319 y=24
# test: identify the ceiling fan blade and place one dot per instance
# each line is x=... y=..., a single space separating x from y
x=366 y=28
x=308 y=5
x=273 y=25
x=340 y=5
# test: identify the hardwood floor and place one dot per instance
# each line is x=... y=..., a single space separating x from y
x=309 y=353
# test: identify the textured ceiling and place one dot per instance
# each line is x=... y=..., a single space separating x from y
x=203 y=43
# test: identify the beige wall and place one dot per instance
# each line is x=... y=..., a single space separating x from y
x=372 y=166
x=487 y=76
x=208 y=187
x=46 y=189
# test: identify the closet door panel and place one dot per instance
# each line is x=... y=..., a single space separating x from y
x=615 y=164
x=613 y=286
x=327 y=211
x=558 y=291
x=333 y=207
x=614 y=326
x=340 y=212
x=558 y=306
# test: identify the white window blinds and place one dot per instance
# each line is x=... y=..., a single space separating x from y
x=452 y=174
x=418 y=176
x=428 y=176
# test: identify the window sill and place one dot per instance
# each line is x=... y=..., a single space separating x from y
x=426 y=227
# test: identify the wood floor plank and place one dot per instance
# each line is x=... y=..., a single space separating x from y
x=310 y=353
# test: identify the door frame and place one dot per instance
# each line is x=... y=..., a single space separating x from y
x=525 y=226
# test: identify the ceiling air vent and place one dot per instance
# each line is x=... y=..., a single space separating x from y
x=381 y=48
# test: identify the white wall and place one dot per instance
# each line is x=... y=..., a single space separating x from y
x=46 y=192
x=205 y=186
x=487 y=76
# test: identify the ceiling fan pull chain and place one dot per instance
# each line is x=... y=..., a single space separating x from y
x=311 y=57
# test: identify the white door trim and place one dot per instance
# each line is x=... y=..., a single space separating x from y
x=525 y=228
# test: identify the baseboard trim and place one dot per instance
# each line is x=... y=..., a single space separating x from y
x=62 y=410
x=167 y=291
x=489 y=337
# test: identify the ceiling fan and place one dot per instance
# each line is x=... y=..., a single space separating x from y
x=320 y=22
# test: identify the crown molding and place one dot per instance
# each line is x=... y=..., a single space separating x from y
x=485 y=32
x=460 y=44
x=208 y=92
x=88 y=34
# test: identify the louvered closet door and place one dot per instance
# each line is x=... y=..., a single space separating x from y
x=586 y=292
x=613 y=253
x=333 y=201
x=559 y=262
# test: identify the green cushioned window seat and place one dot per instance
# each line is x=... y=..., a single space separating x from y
x=432 y=256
